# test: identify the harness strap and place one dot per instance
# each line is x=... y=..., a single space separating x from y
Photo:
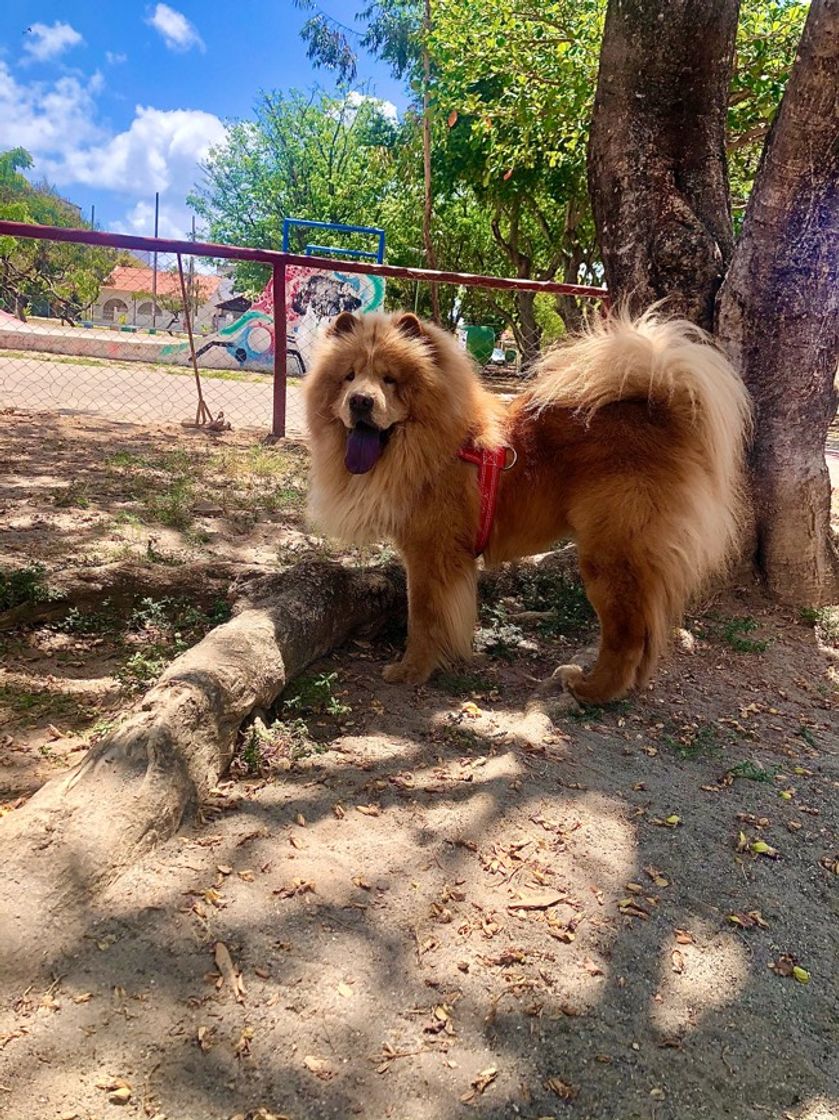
x=490 y=463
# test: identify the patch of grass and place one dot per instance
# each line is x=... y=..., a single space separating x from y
x=733 y=632
x=824 y=620
x=23 y=585
x=315 y=696
x=72 y=496
x=172 y=506
x=168 y=626
x=807 y=735
x=754 y=771
x=455 y=683
x=705 y=740
x=78 y=621
x=147 y=664
x=598 y=711
x=125 y=459
x=40 y=704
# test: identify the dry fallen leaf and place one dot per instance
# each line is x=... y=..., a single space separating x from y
x=761 y=848
x=480 y=1083
x=562 y=1089
x=369 y=810
x=320 y=1067
x=677 y=961
x=684 y=937
x=748 y=919
x=229 y=974
x=538 y=901
x=345 y=990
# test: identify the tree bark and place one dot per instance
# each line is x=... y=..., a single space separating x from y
x=778 y=318
x=133 y=790
x=528 y=332
x=657 y=165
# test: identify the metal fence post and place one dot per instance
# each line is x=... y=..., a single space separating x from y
x=280 y=351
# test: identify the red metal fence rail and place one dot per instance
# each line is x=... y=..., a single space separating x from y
x=279 y=262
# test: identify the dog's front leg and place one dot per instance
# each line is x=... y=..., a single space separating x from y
x=442 y=610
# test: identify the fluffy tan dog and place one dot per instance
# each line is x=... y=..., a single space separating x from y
x=629 y=440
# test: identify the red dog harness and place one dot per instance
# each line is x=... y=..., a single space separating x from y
x=490 y=464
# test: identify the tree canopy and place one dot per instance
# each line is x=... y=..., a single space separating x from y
x=510 y=89
x=44 y=276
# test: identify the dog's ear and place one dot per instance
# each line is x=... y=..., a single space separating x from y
x=409 y=325
x=344 y=324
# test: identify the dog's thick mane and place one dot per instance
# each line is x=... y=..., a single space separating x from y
x=448 y=406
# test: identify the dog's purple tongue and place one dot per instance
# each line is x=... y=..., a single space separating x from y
x=364 y=446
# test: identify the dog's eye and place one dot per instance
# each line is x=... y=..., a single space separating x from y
x=350 y=376
x=389 y=380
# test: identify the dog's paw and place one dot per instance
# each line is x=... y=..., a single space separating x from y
x=403 y=672
x=568 y=676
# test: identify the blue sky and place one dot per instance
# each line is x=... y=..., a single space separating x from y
x=115 y=101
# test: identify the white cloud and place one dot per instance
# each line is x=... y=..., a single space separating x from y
x=386 y=108
x=115 y=59
x=159 y=151
x=178 y=33
x=47 y=117
x=42 y=41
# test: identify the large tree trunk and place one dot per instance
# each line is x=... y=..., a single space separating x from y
x=528 y=332
x=778 y=318
x=657 y=166
x=132 y=791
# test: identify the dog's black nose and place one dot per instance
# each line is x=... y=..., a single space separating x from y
x=361 y=404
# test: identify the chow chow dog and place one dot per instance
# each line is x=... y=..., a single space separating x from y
x=629 y=439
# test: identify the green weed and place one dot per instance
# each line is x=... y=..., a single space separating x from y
x=315 y=696
x=23 y=585
x=733 y=631
x=754 y=771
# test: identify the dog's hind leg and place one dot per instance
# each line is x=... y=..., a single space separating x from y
x=620 y=596
x=442 y=611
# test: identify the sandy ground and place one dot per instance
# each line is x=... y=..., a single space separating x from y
x=423 y=915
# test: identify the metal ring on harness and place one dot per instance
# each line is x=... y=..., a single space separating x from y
x=509 y=466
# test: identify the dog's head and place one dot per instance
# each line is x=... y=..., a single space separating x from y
x=375 y=376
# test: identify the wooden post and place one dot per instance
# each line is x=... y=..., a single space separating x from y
x=280 y=356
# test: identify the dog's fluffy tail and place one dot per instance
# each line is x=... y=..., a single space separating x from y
x=689 y=533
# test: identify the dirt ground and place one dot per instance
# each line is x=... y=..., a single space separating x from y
x=397 y=906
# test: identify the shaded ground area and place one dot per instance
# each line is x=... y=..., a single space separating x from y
x=424 y=915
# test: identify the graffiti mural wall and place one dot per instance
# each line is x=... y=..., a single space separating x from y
x=313 y=297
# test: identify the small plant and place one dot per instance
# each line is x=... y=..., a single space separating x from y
x=499 y=636
x=73 y=496
x=261 y=745
x=807 y=735
x=824 y=620
x=86 y=622
x=705 y=739
x=754 y=771
x=734 y=631
x=23 y=585
x=315 y=696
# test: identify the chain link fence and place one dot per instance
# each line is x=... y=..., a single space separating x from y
x=167 y=339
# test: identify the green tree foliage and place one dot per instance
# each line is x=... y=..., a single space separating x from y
x=768 y=35
x=316 y=157
x=44 y=276
x=511 y=90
